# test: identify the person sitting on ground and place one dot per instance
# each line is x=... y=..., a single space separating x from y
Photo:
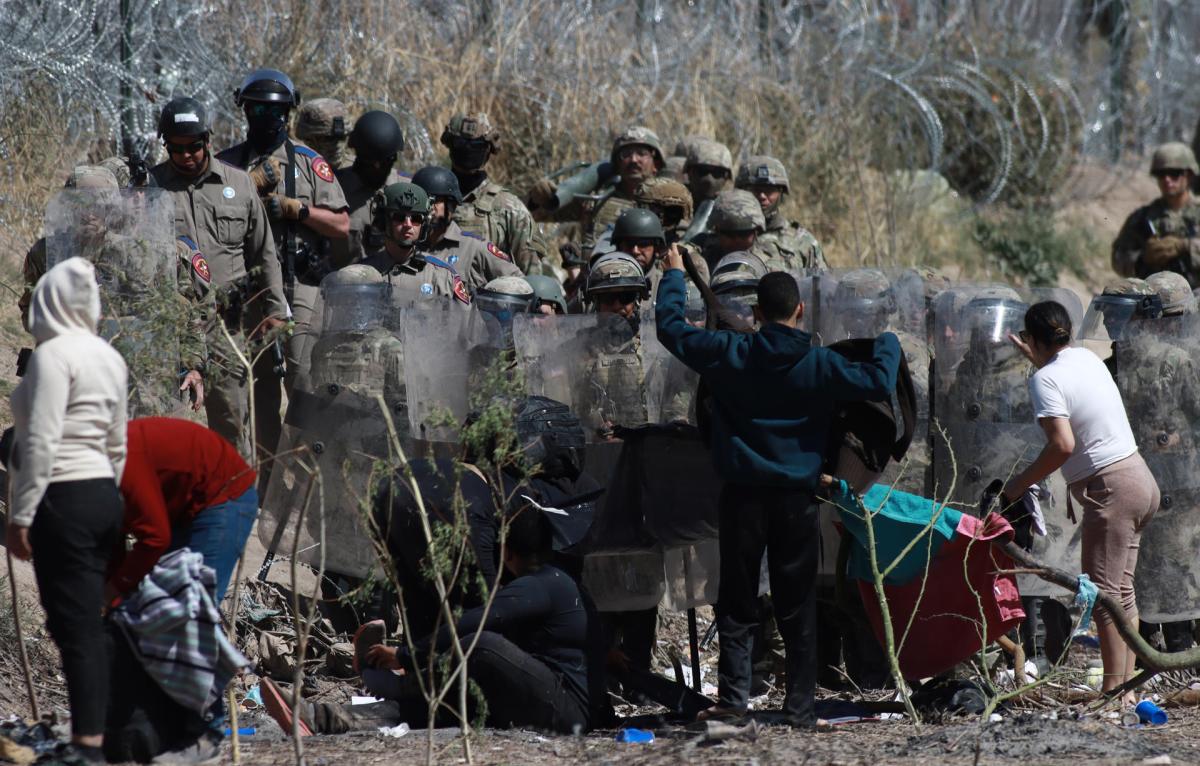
x=527 y=653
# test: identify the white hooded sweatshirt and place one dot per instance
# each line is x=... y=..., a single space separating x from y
x=69 y=409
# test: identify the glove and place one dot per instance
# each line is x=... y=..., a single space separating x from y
x=1160 y=251
x=570 y=254
x=541 y=196
x=283 y=208
x=266 y=176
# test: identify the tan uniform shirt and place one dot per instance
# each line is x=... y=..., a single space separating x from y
x=477 y=260
x=420 y=278
x=221 y=212
x=364 y=238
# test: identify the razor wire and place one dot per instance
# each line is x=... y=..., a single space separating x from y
x=995 y=94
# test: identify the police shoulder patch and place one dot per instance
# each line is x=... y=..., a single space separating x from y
x=322 y=169
x=491 y=248
x=472 y=235
x=304 y=151
x=460 y=290
x=200 y=266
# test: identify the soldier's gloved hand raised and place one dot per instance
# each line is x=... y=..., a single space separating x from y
x=541 y=197
x=1160 y=251
x=283 y=208
x=266 y=176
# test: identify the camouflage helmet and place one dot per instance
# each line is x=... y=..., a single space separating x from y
x=864 y=289
x=119 y=168
x=741 y=261
x=736 y=211
x=1173 y=156
x=711 y=153
x=354 y=274
x=660 y=193
x=616 y=271
x=1128 y=286
x=762 y=170
x=92 y=177
x=547 y=290
x=354 y=298
x=1174 y=291
x=636 y=223
x=684 y=145
x=322 y=118
x=503 y=297
x=474 y=126
x=637 y=135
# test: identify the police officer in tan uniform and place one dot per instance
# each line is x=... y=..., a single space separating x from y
x=218 y=215
x=377 y=141
x=307 y=209
x=403 y=213
x=489 y=210
x=477 y=260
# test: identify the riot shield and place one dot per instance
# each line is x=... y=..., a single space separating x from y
x=453 y=359
x=130 y=238
x=334 y=435
x=1157 y=362
x=670 y=385
x=591 y=362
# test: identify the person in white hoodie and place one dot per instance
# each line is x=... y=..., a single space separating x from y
x=69 y=414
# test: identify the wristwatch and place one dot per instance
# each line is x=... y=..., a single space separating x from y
x=303 y=214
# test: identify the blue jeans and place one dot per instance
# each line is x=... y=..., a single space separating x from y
x=218 y=533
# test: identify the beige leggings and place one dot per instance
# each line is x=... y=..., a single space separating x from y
x=1117 y=501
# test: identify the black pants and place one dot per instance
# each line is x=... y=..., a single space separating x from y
x=74 y=534
x=520 y=690
x=784 y=522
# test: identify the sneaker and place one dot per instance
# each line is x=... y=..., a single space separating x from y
x=367 y=635
x=205 y=750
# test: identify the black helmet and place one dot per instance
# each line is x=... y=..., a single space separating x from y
x=376 y=135
x=267 y=85
x=637 y=223
x=183 y=116
x=437 y=182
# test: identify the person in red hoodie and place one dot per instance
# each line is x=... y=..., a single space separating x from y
x=184 y=487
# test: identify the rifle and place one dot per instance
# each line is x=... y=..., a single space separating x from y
x=139 y=169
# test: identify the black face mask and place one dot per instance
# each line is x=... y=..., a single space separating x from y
x=266 y=131
x=374 y=174
x=470 y=155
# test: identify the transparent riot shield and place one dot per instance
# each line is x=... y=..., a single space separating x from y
x=452 y=358
x=335 y=439
x=1157 y=362
x=592 y=362
x=130 y=238
x=670 y=385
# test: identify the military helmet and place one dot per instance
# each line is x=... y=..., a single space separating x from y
x=267 y=85
x=505 y=296
x=1120 y=302
x=92 y=177
x=993 y=312
x=321 y=118
x=684 y=145
x=762 y=170
x=738 y=273
x=354 y=274
x=735 y=211
x=637 y=135
x=1127 y=286
x=400 y=197
x=741 y=260
x=183 y=116
x=353 y=299
x=662 y=195
x=547 y=290
x=616 y=271
x=376 y=135
x=708 y=152
x=119 y=168
x=1174 y=291
x=438 y=182
x=636 y=223
x=1173 y=156
x=472 y=127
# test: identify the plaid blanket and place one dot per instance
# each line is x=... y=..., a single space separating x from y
x=176 y=631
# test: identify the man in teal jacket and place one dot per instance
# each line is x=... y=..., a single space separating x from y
x=773 y=400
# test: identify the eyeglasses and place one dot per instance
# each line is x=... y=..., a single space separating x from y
x=643 y=243
x=417 y=218
x=191 y=148
x=259 y=110
x=1169 y=173
x=621 y=298
x=634 y=151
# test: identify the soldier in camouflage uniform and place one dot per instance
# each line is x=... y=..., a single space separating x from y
x=321 y=124
x=307 y=209
x=478 y=261
x=709 y=169
x=639 y=233
x=766 y=178
x=487 y=209
x=734 y=224
x=376 y=140
x=1119 y=303
x=636 y=156
x=616 y=286
x=1162 y=236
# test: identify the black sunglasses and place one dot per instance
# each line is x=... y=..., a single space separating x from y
x=621 y=297
x=191 y=148
x=1169 y=173
x=417 y=218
